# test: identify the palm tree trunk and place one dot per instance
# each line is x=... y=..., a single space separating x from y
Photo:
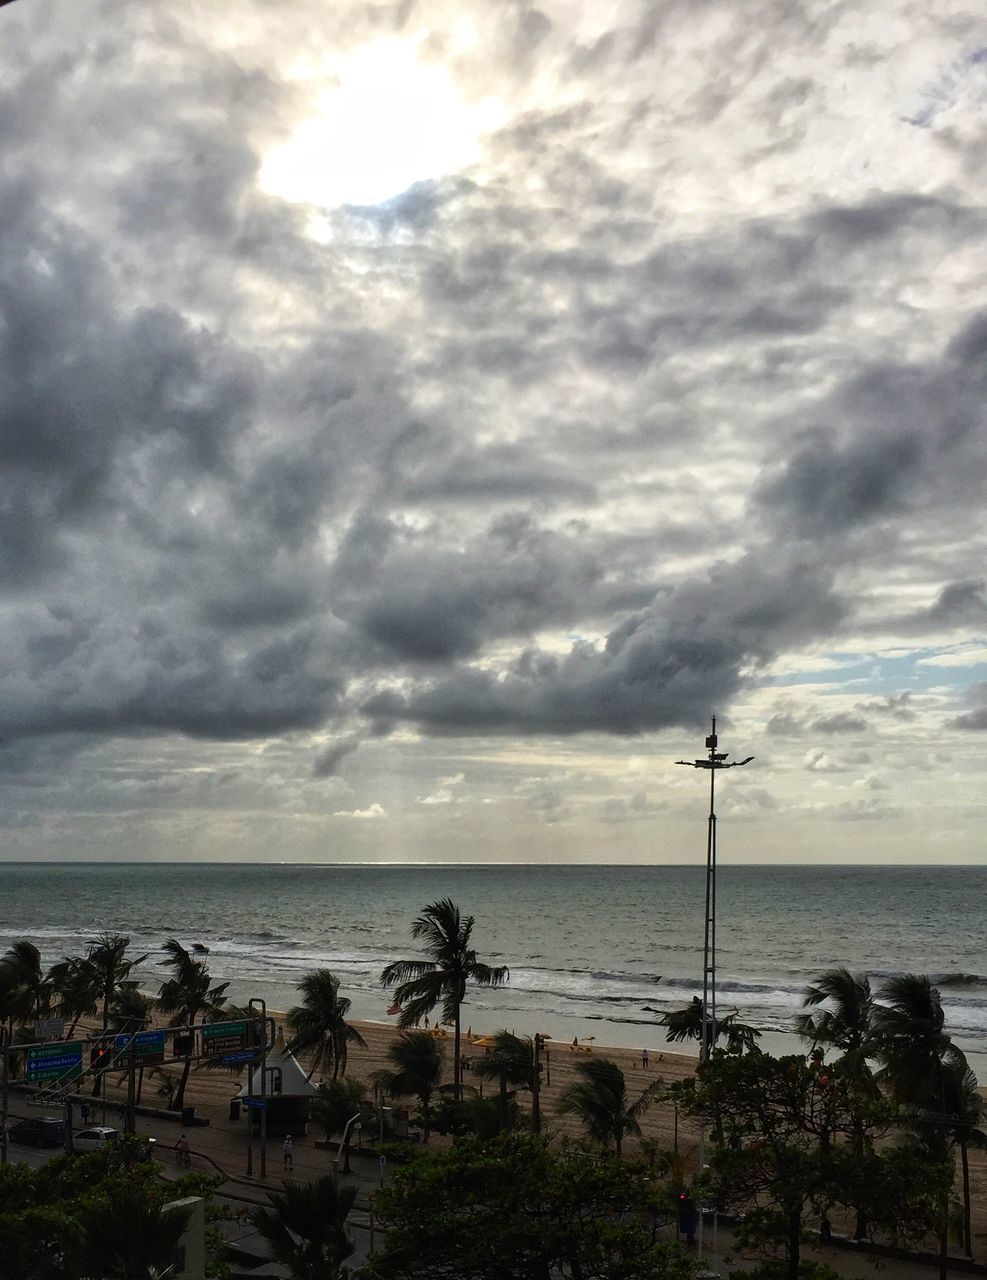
x=457 y=1068
x=179 y=1099
x=967 y=1234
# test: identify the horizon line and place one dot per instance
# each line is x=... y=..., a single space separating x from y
x=255 y=862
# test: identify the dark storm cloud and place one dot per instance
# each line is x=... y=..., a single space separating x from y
x=891 y=438
x=149 y=674
x=664 y=666
x=430 y=603
x=89 y=385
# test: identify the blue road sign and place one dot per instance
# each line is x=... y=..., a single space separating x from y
x=246 y=1055
x=257 y=1103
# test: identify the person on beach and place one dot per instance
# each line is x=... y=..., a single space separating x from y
x=644 y=1059
x=184 y=1152
x=288 y=1152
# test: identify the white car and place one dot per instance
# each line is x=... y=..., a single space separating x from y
x=94 y=1139
x=99 y=1135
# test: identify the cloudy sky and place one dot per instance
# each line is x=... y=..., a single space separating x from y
x=418 y=418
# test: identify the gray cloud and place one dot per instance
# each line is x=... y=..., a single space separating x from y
x=664 y=666
x=271 y=472
x=899 y=436
x=974 y=720
x=327 y=762
x=841 y=722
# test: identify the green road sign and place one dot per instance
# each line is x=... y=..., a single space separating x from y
x=59 y=1061
x=148 y=1047
x=221 y=1038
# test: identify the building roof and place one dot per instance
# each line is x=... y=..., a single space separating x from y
x=294 y=1082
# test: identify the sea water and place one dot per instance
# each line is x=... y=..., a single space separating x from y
x=593 y=951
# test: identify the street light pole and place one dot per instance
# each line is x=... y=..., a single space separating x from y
x=715 y=760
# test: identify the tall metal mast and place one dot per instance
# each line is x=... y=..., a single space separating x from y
x=716 y=760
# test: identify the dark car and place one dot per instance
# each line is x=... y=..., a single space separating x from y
x=39 y=1131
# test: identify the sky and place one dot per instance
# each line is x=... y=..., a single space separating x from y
x=418 y=419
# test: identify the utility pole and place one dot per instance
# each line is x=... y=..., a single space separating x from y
x=257 y=1027
x=5 y=1087
x=130 y=1119
x=536 y=1084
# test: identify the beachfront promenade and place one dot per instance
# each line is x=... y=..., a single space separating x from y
x=221 y=1146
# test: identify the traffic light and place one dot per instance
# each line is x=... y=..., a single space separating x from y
x=99 y=1057
x=687 y=1216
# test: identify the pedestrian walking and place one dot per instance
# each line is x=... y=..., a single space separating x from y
x=183 y=1152
x=644 y=1059
x=287 y=1152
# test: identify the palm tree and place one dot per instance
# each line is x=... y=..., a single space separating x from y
x=108 y=958
x=11 y=999
x=110 y=969
x=76 y=984
x=306 y=1228
x=319 y=1024
x=912 y=1043
x=511 y=1062
x=847 y=1024
x=187 y=995
x=416 y=1070
x=599 y=1099
x=130 y=1012
x=29 y=988
x=918 y=1060
x=129 y=1237
x=964 y=1111
x=443 y=977
x=687 y=1024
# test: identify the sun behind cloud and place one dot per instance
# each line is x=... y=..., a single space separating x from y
x=385 y=120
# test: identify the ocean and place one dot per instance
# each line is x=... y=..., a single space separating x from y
x=594 y=951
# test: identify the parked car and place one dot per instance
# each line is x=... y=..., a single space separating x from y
x=38 y=1131
x=99 y=1135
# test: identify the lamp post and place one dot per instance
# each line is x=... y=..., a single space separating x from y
x=715 y=760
